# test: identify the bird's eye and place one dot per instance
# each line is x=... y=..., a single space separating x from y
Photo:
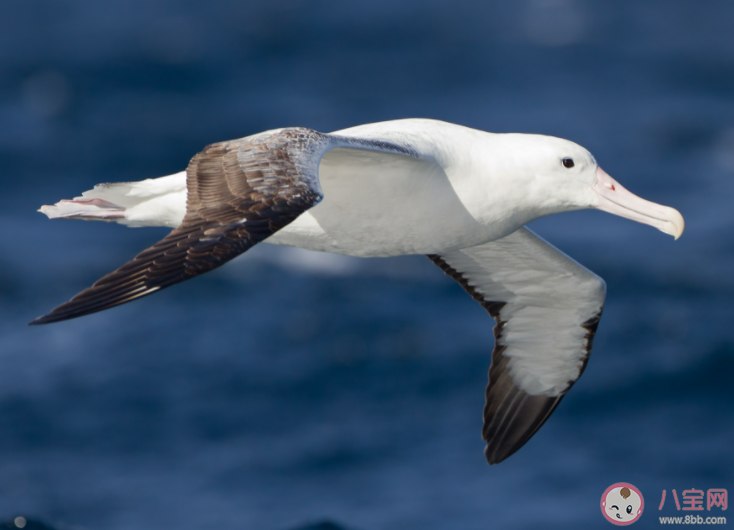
x=568 y=162
x=629 y=508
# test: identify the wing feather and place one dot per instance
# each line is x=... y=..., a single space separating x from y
x=226 y=214
x=547 y=308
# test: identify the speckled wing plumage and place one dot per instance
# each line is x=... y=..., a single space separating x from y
x=547 y=308
x=239 y=193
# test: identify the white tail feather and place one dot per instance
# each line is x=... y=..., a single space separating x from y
x=151 y=202
x=90 y=209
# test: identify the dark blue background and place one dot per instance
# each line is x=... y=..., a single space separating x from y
x=290 y=386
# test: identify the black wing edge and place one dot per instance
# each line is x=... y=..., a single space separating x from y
x=176 y=258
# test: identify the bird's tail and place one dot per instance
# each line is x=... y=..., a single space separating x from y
x=88 y=209
x=151 y=202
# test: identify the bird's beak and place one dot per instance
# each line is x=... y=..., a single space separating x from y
x=614 y=198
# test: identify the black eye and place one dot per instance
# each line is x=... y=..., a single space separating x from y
x=629 y=508
x=615 y=506
x=568 y=162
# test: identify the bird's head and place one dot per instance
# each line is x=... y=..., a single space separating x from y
x=563 y=176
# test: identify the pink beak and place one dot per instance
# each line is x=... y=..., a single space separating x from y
x=615 y=199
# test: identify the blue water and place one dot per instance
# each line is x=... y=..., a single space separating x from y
x=291 y=387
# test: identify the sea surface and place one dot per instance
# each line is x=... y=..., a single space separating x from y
x=291 y=387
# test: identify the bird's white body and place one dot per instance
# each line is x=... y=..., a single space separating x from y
x=425 y=204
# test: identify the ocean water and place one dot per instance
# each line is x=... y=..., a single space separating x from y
x=290 y=387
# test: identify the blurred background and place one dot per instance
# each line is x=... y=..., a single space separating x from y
x=290 y=387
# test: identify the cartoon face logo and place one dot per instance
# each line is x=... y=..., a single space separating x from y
x=622 y=504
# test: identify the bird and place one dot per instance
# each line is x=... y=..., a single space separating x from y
x=458 y=195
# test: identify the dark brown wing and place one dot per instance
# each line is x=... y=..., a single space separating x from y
x=547 y=308
x=239 y=193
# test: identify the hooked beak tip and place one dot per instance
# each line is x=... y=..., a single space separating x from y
x=678 y=223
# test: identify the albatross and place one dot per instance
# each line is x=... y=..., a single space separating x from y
x=416 y=186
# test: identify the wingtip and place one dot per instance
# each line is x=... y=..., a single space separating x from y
x=59 y=314
x=45 y=319
x=494 y=456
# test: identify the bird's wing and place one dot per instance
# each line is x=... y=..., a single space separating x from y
x=239 y=193
x=547 y=309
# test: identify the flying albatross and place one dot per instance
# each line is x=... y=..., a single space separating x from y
x=416 y=186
